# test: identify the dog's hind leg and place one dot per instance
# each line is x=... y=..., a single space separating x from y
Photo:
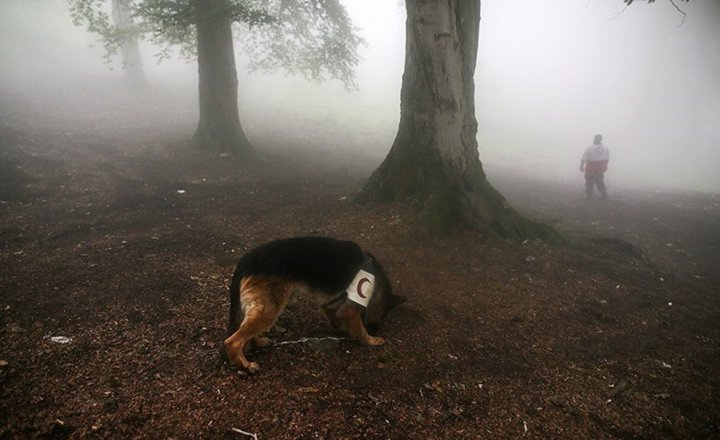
x=260 y=311
x=258 y=319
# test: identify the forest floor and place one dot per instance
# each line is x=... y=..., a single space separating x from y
x=116 y=248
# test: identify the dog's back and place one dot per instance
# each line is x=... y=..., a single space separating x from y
x=323 y=263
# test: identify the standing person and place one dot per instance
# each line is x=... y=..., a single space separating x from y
x=594 y=162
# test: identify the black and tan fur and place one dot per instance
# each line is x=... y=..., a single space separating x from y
x=268 y=277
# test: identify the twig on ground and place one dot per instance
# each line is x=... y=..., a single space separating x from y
x=304 y=340
x=249 y=434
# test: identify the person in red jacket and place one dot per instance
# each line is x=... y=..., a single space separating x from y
x=594 y=162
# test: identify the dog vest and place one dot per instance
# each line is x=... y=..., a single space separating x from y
x=361 y=289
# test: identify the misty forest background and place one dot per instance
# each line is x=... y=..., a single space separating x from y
x=548 y=77
x=127 y=197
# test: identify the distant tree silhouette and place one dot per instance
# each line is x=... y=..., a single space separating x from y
x=311 y=37
x=129 y=45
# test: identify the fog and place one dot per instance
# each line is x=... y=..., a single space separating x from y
x=553 y=73
x=550 y=75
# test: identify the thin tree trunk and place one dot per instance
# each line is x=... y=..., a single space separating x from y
x=434 y=158
x=130 y=48
x=219 y=126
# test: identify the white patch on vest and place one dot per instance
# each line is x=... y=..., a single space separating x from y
x=361 y=289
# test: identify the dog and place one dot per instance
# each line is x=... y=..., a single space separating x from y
x=348 y=284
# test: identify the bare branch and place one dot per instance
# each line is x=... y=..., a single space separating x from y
x=672 y=2
x=684 y=14
x=619 y=13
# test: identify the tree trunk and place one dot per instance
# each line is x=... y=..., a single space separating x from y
x=130 y=48
x=434 y=158
x=219 y=126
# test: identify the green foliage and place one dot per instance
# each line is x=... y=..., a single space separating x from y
x=311 y=37
x=95 y=16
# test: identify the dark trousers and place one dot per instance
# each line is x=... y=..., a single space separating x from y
x=591 y=180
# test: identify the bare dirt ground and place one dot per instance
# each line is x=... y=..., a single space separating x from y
x=118 y=236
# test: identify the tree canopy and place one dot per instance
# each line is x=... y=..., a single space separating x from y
x=314 y=38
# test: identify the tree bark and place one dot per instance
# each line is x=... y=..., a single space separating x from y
x=130 y=48
x=434 y=158
x=219 y=126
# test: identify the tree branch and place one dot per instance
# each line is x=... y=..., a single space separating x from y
x=672 y=2
x=684 y=14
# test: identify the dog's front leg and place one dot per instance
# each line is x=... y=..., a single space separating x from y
x=350 y=319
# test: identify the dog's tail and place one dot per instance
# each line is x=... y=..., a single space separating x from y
x=236 y=313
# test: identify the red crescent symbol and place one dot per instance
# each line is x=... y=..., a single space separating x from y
x=359 y=287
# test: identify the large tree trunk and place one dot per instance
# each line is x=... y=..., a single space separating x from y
x=130 y=48
x=219 y=126
x=434 y=158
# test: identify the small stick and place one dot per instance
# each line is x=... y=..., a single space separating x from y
x=249 y=434
x=304 y=340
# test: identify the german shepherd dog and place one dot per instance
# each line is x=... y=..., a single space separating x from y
x=269 y=276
